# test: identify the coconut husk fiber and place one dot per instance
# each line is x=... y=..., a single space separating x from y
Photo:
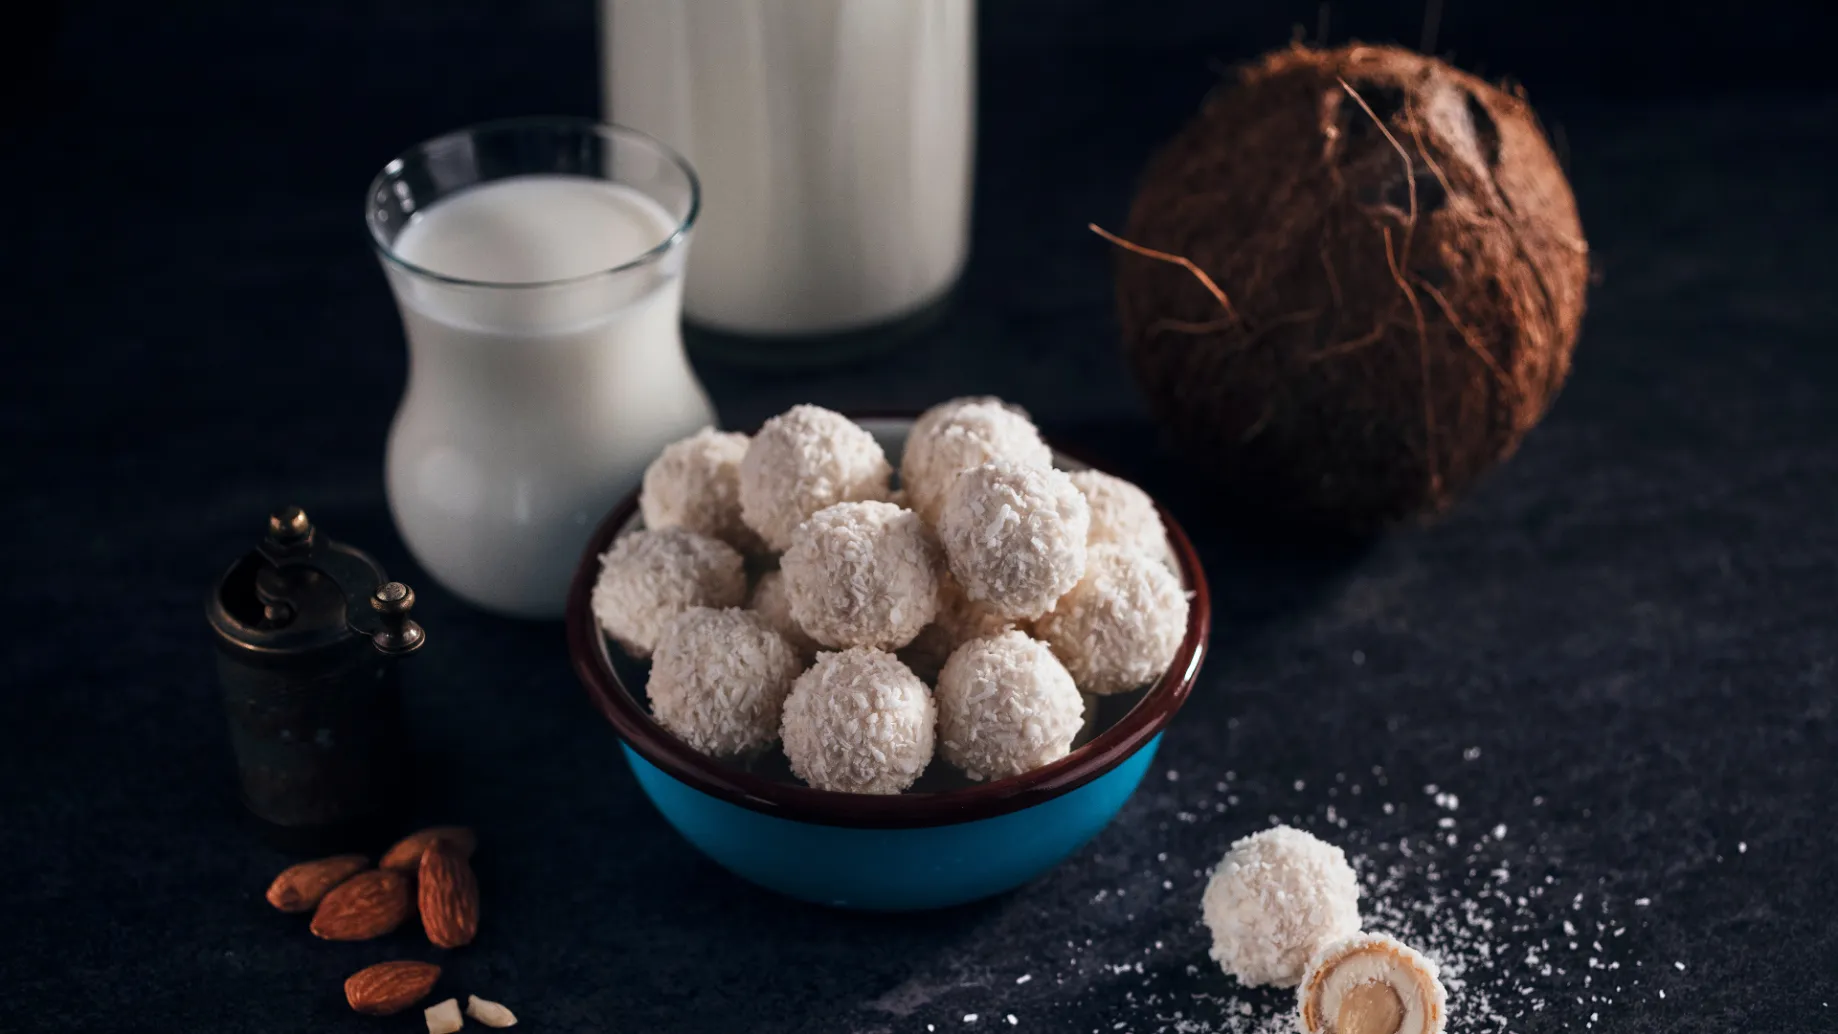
x=1387 y=280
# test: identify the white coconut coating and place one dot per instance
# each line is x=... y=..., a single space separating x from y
x=773 y=606
x=862 y=574
x=1088 y=729
x=801 y=461
x=1121 y=514
x=1277 y=898
x=651 y=576
x=1121 y=625
x=959 y=620
x=859 y=721
x=953 y=437
x=719 y=680
x=1338 y=992
x=695 y=483
x=1015 y=536
x=1006 y=706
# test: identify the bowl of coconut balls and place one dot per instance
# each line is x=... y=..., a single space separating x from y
x=881 y=688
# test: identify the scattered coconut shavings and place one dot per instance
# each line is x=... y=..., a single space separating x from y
x=1517 y=940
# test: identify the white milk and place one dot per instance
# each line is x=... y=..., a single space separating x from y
x=833 y=139
x=531 y=410
x=531 y=229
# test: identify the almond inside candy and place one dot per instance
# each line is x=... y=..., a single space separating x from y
x=1369 y=1008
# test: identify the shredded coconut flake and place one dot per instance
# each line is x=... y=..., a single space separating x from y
x=651 y=576
x=1006 y=706
x=859 y=721
x=1014 y=534
x=719 y=679
x=1277 y=898
x=959 y=434
x=1120 y=625
x=803 y=460
x=773 y=606
x=862 y=574
x=1123 y=515
x=695 y=484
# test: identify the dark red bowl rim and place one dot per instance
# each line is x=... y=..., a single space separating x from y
x=587 y=648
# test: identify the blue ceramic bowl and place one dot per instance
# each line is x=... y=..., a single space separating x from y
x=947 y=842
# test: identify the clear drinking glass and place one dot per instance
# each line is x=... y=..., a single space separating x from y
x=534 y=401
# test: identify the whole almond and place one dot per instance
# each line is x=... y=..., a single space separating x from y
x=299 y=888
x=388 y=988
x=405 y=856
x=449 y=897
x=367 y=905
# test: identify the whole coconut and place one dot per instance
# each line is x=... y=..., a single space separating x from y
x=1399 y=276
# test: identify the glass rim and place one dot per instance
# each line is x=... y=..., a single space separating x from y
x=572 y=123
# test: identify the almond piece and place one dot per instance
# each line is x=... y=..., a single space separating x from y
x=367 y=905
x=405 y=856
x=490 y=1014
x=388 y=988
x=443 y=1018
x=299 y=888
x=449 y=896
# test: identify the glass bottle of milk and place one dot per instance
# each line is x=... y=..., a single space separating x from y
x=834 y=143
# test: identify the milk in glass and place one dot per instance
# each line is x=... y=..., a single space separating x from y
x=546 y=371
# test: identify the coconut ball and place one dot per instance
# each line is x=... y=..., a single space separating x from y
x=862 y=574
x=954 y=436
x=1277 y=898
x=695 y=483
x=1121 y=625
x=1006 y=706
x=651 y=576
x=1371 y=983
x=773 y=606
x=1122 y=514
x=801 y=461
x=959 y=620
x=1088 y=730
x=1015 y=535
x=859 y=721
x=719 y=680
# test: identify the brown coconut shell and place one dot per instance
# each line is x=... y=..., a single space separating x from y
x=1403 y=277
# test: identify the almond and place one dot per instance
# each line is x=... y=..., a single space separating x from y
x=367 y=905
x=388 y=988
x=490 y=1013
x=300 y=887
x=405 y=856
x=449 y=896
x=443 y=1018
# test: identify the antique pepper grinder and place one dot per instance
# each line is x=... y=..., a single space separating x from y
x=311 y=637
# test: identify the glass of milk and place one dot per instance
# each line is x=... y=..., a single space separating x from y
x=538 y=267
x=834 y=139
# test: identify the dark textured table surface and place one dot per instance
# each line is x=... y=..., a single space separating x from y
x=1619 y=655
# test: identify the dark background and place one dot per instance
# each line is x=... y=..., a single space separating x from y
x=1621 y=648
